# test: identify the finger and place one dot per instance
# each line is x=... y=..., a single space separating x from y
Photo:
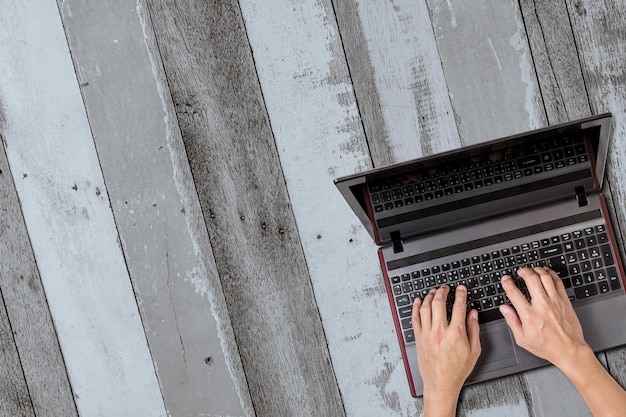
x=558 y=283
x=533 y=282
x=514 y=322
x=459 y=307
x=426 y=311
x=473 y=331
x=439 y=306
x=415 y=317
x=547 y=280
x=515 y=295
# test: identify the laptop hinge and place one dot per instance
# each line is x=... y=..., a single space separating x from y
x=581 y=196
x=396 y=241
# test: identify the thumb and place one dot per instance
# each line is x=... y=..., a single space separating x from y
x=512 y=319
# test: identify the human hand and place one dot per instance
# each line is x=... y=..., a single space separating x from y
x=446 y=351
x=547 y=326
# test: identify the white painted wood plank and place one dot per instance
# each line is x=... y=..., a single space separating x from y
x=395 y=42
x=318 y=133
x=158 y=214
x=488 y=67
x=66 y=209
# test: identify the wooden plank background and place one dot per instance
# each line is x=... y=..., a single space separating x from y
x=171 y=239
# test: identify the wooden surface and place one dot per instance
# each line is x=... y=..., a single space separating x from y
x=171 y=239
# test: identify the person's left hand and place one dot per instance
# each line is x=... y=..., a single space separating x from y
x=446 y=351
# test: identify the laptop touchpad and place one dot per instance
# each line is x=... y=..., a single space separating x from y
x=498 y=349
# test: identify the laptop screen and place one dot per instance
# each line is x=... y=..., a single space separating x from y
x=440 y=191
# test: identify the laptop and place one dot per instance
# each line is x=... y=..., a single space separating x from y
x=470 y=215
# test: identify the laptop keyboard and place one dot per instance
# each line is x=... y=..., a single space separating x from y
x=582 y=259
x=448 y=180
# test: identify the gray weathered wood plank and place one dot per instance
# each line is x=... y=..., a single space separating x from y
x=242 y=192
x=488 y=67
x=31 y=327
x=156 y=208
x=397 y=76
x=555 y=57
x=66 y=210
x=600 y=33
x=14 y=396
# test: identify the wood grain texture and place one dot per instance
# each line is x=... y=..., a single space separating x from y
x=14 y=396
x=242 y=192
x=398 y=80
x=319 y=136
x=488 y=67
x=555 y=57
x=154 y=201
x=38 y=355
x=600 y=33
x=66 y=210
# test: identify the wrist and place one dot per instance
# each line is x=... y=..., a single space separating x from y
x=440 y=403
x=571 y=362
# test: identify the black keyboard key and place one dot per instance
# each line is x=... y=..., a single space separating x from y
x=406 y=323
x=490 y=315
x=577 y=280
x=613 y=278
x=409 y=336
x=407 y=287
x=402 y=300
x=486 y=303
x=550 y=251
x=603 y=287
x=395 y=280
x=528 y=161
x=558 y=265
x=406 y=277
x=586 y=291
x=607 y=255
x=405 y=311
x=397 y=290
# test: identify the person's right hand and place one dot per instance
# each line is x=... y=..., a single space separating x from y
x=547 y=326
